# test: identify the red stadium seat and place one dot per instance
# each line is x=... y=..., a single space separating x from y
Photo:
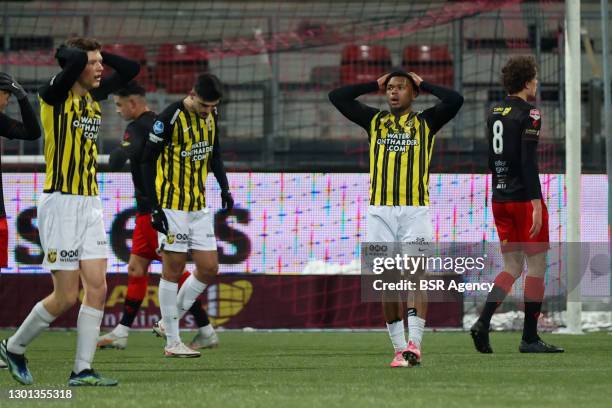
x=136 y=52
x=178 y=66
x=432 y=62
x=364 y=63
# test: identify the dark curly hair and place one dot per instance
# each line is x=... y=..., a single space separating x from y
x=517 y=72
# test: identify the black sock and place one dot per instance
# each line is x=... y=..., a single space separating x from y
x=130 y=309
x=530 y=326
x=494 y=299
x=199 y=314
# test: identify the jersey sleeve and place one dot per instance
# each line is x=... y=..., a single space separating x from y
x=160 y=133
x=529 y=154
x=56 y=90
x=440 y=114
x=344 y=99
x=125 y=71
x=531 y=125
x=216 y=162
x=26 y=130
x=159 y=136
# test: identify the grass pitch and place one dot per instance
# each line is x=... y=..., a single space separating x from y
x=330 y=369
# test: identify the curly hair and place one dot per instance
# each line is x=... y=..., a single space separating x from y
x=517 y=72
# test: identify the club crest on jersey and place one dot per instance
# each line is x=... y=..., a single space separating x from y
x=534 y=114
x=158 y=127
x=52 y=255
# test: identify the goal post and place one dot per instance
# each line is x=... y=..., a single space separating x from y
x=573 y=162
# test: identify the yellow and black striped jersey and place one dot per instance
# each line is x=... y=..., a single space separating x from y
x=186 y=143
x=400 y=152
x=71 y=130
x=400 y=146
x=71 y=122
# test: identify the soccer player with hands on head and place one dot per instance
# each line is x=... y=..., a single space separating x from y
x=70 y=223
x=401 y=145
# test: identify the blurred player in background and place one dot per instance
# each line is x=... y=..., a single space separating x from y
x=13 y=129
x=183 y=144
x=401 y=145
x=521 y=217
x=70 y=221
x=131 y=105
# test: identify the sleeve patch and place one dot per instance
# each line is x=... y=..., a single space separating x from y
x=155 y=139
x=158 y=127
x=535 y=114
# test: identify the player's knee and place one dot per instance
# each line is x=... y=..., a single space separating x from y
x=209 y=268
x=136 y=270
x=67 y=298
x=206 y=273
x=96 y=293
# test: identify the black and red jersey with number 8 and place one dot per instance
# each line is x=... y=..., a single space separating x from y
x=513 y=130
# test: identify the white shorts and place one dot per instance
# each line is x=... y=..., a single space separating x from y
x=405 y=224
x=71 y=229
x=188 y=230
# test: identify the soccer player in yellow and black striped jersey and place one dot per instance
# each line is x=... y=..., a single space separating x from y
x=70 y=221
x=183 y=144
x=401 y=145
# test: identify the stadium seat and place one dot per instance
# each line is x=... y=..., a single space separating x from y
x=136 y=52
x=178 y=65
x=364 y=63
x=432 y=62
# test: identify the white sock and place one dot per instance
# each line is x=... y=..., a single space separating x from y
x=88 y=329
x=396 y=333
x=207 y=330
x=121 y=330
x=37 y=321
x=167 y=306
x=416 y=325
x=189 y=292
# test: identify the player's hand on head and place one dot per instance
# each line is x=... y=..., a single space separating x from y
x=227 y=201
x=159 y=220
x=63 y=53
x=417 y=79
x=381 y=81
x=8 y=84
x=60 y=54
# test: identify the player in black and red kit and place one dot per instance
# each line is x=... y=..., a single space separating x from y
x=13 y=129
x=521 y=217
x=131 y=105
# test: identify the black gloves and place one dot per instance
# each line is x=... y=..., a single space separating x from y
x=227 y=201
x=8 y=84
x=159 y=220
